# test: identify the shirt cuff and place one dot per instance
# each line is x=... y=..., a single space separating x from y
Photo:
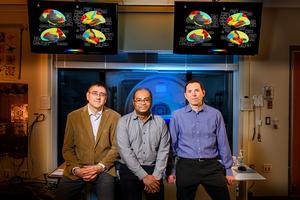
x=228 y=172
x=158 y=175
x=73 y=170
x=102 y=166
x=141 y=174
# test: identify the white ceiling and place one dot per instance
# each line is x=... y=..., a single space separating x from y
x=266 y=3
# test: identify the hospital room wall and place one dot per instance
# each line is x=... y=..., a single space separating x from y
x=271 y=68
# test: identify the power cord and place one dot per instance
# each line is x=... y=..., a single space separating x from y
x=254 y=123
x=39 y=118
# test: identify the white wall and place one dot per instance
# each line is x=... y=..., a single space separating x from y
x=145 y=31
x=271 y=67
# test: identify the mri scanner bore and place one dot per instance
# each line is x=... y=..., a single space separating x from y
x=166 y=98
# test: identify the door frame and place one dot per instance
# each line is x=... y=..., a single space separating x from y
x=292 y=50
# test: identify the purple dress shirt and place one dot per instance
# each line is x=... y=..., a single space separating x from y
x=200 y=135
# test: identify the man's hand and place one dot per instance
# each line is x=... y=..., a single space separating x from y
x=152 y=184
x=230 y=180
x=171 y=178
x=89 y=173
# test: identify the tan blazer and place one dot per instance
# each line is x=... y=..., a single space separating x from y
x=80 y=149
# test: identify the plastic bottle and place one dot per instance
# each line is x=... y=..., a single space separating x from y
x=240 y=157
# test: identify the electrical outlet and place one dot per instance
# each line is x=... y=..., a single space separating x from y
x=6 y=173
x=267 y=168
x=251 y=166
x=24 y=173
x=259 y=122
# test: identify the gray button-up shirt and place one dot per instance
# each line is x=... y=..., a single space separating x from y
x=143 y=144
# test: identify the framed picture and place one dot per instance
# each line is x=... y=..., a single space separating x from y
x=20 y=129
x=19 y=112
x=3 y=128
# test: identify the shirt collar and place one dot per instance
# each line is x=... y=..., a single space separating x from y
x=135 y=116
x=98 y=113
x=188 y=108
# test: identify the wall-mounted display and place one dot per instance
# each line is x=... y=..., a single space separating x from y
x=211 y=28
x=73 y=27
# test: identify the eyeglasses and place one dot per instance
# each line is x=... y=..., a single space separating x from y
x=139 y=101
x=95 y=94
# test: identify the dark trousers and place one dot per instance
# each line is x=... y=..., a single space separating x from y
x=104 y=187
x=132 y=187
x=190 y=173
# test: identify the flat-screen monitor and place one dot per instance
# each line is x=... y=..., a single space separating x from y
x=211 y=28
x=58 y=27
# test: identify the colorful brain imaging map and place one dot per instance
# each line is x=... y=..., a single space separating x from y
x=93 y=36
x=198 y=36
x=238 y=20
x=65 y=27
x=216 y=28
x=199 y=18
x=93 y=18
x=53 y=35
x=237 y=37
x=52 y=16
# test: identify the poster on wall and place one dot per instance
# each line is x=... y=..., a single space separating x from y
x=3 y=128
x=20 y=129
x=19 y=112
x=13 y=118
x=10 y=53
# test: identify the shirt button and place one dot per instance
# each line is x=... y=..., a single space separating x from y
x=198 y=140
x=95 y=152
x=199 y=148
x=143 y=152
x=197 y=123
x=200 y=156
x=144 y=133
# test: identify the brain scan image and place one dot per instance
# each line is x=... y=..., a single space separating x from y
x=198 y=36
x=52 y=16
x=238 y=20
x=93 y=36
x=199 y=18
x=237 y=37
x=53 y=35
x=93 y=18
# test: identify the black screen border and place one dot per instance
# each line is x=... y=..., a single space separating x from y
x=180 y=27
x=34 y=14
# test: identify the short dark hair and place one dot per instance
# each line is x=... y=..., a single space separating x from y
x=99 y=84
x=194 y=81
x=142 y=89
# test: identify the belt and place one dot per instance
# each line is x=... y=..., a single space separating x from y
x=197 y=159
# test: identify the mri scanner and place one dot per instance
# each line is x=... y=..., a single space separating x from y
x=167 y=92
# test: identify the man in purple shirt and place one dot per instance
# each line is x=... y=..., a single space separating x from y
x=199 y=135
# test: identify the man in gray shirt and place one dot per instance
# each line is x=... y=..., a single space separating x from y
x=143 y=141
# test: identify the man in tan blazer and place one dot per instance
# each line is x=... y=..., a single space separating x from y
x=90 y=148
